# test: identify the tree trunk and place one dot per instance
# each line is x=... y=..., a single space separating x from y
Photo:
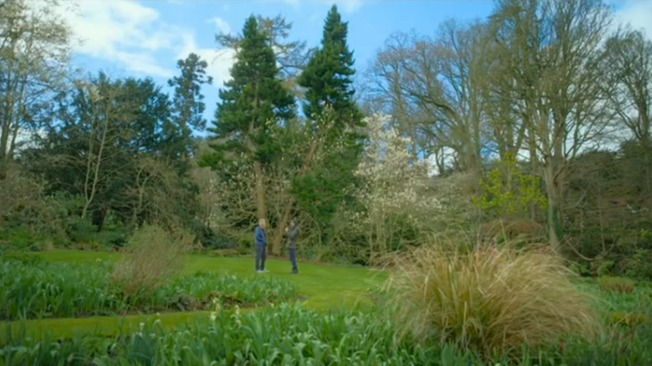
x=534 y=168
x=19 y=113
x=283 y=222
x=89 y=192
x=5 y=132
x=553 y=205
x=261 y=210
x=7 y=119
x=285 y=214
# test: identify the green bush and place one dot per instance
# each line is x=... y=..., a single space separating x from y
x=18 y=239
x=81 y=230
x=152 y=256
x=28 y=219
x=639 y=264
x=488 y=300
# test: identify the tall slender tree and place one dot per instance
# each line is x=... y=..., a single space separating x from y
x=251 y=103
x=335 y=119
x=292 y=56
x=328 y=78
x=188 y=102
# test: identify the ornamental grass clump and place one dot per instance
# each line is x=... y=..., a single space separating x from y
x=489 y=300
x=616 y=284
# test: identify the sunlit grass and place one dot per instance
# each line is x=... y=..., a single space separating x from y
x=323 y=286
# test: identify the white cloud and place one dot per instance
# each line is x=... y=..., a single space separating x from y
x=219 y=63
x=219 y=60
x=347 y=6
x=132 y=35
x=125 y=32
x=142 y=63
x=221 y=25
x=638 y=13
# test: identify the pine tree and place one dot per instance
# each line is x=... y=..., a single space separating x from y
x=188 y=104
x=328 y=77
x=335 y=121
x=251 y=102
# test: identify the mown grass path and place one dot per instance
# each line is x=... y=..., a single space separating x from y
x=322 y=287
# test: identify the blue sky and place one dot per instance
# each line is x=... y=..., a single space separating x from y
x=146 y=37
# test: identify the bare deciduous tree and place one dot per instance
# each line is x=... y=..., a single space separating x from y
x=34 y=48
x=556 y=81
x=434 y=89
x=628 y=65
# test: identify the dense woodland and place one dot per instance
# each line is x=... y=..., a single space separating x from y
x=532 y=124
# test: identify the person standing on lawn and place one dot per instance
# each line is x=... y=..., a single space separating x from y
x=261 y=245
x=292 y=233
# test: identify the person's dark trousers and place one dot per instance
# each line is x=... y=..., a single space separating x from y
x=293 y=259
x=261 y=255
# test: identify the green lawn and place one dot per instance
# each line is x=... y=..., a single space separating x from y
x=322 y=287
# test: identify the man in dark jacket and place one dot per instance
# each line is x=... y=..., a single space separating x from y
x=292 y=233
x=261 y=245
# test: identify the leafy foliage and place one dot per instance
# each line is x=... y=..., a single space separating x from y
x=34 y=51
x=328 y=77
x=153 y=255
x=610 y=226
x=32 y=288
x=334 y=120
x=28 y=219
x=290 y=334
x=282 y=335
x=252 y=101
x=509 y=192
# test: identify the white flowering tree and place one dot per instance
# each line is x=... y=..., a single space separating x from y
x=395 y=190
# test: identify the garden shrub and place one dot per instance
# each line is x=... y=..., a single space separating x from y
x=488 y=300
x=639 y=263
x=152 y=256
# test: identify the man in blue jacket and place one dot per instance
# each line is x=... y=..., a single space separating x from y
x=261 y=245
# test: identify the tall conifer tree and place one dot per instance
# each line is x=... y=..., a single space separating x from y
x=188 y=102
x=333 y=115
x=251 y=102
